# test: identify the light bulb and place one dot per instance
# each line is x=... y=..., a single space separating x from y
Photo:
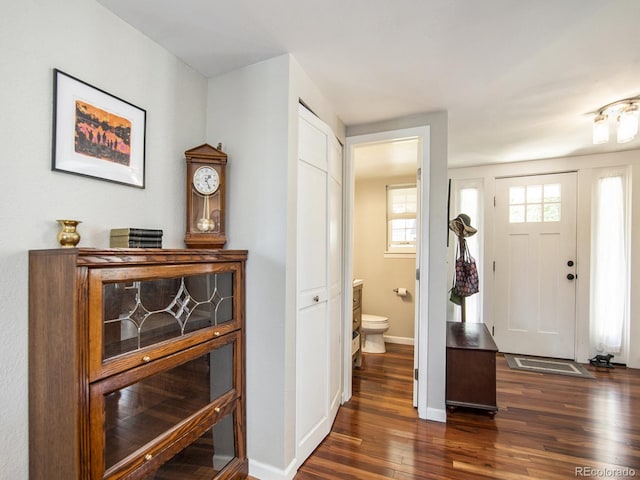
x=628 y=123
x=600 y=129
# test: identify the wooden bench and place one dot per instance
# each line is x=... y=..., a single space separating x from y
x=471 y=367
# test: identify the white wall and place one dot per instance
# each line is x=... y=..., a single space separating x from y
x=254 y=112
x=84 y=40
x=382 y=274
x=584 y=165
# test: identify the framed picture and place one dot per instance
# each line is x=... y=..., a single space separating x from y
x=96 y=134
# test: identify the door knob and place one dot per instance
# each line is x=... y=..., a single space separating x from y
x=570 y=263
x=571 y=276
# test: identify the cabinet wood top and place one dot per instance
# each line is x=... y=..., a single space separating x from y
x=469 y=335
x=143 y=256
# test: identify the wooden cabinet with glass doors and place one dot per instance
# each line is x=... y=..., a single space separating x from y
x=136 y=364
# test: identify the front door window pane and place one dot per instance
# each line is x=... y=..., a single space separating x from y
x=516 y=195
x=534 y=213
x=535 y=203
x=516 y=214
x=552 y=193
x=534 y=194
x=552 y=212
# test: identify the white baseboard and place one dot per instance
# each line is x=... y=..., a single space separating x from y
x=400 y=340
x=437 y=415
x=262 y=471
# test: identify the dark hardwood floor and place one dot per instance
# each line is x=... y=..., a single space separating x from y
x=548 y=427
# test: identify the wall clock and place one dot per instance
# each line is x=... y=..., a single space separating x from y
x=205 y=190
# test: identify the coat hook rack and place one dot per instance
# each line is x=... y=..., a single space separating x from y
x=461 y=226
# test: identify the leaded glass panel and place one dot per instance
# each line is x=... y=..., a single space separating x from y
x=138 y=314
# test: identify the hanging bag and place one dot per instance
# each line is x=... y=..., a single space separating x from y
x=466 y=273
x=454 y=297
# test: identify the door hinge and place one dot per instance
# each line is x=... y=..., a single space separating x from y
x=493 y=331
x=415 y=373
x=494 y=266
x=419 y=174
x=494 y=200
x=418 y=274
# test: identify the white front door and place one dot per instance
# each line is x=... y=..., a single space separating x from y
x=535 y=265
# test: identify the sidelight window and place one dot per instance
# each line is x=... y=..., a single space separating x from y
x=609 y=263
x=467 y=198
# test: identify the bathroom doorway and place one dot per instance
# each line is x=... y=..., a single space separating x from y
x=383 y=250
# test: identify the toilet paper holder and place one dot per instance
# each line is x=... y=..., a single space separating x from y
x=402 y=292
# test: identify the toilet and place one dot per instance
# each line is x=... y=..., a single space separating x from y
x=373 y=328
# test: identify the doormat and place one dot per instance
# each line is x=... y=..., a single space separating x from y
x=547 y=365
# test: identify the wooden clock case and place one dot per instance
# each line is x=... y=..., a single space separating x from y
x=196 y=157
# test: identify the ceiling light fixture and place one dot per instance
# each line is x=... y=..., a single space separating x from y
x=626 y=113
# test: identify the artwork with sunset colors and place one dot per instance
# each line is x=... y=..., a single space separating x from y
x=101 y=134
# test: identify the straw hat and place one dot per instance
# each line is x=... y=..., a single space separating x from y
x=461 y=226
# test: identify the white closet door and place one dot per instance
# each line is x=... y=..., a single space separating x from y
x=319 y=250
x=335 y=275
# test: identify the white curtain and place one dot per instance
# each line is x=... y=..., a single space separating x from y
x=609 y=271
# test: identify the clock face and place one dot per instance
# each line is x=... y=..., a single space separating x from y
x=206 y=180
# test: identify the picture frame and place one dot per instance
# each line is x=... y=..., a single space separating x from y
x=96 y=134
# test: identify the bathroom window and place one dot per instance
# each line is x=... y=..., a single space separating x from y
x=402 y=203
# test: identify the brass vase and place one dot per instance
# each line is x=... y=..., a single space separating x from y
x=68 y=237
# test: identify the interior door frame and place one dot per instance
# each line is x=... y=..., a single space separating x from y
x=421 y=318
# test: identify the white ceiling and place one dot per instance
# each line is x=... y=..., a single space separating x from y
x=391 y=159
x=519 y=79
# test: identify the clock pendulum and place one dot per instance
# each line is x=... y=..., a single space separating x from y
x=205 y=223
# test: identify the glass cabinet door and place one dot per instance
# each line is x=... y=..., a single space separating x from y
x=130 y=312
x=150 y=410
x=137 y=314
x=204 y=458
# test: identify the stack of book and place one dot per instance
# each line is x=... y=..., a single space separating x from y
x=135 y=238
